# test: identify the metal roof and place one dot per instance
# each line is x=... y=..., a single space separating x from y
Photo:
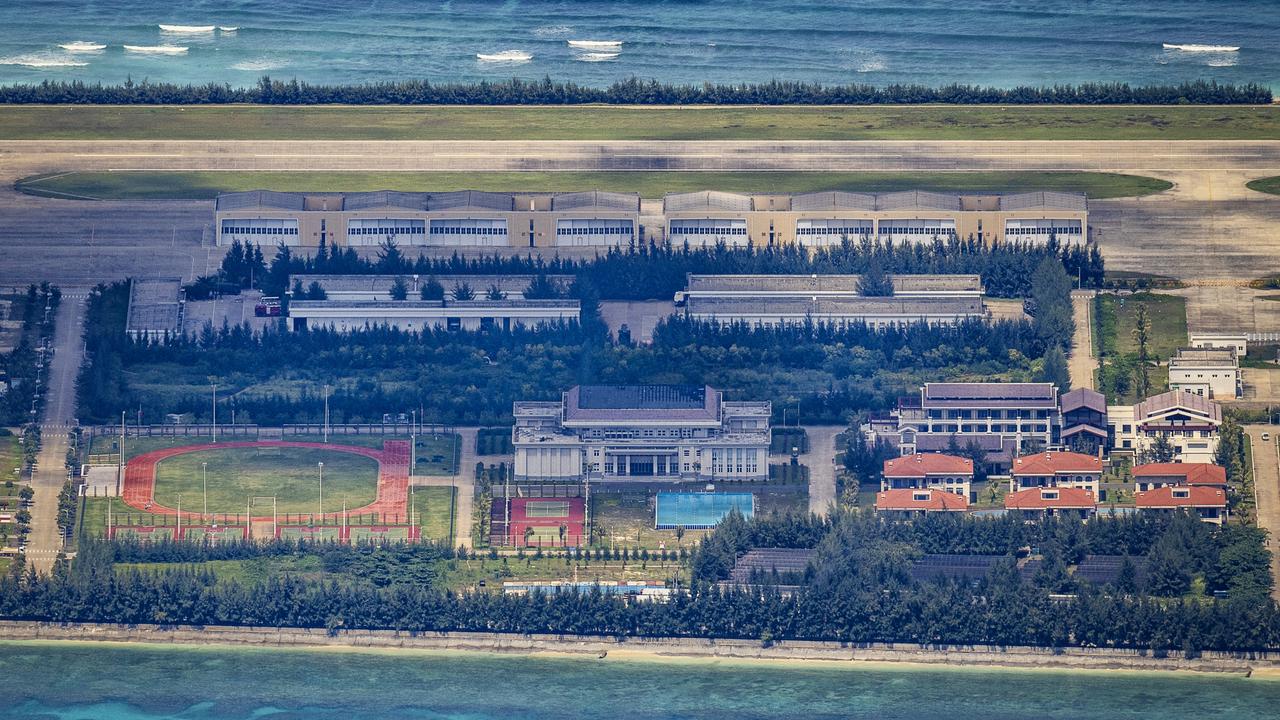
x=384 y=198
x=706 y=200
x=463 y=199
x=833 y=200
x=628 y=202
x=253 y=199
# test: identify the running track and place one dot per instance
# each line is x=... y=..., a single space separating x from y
x=393 y=474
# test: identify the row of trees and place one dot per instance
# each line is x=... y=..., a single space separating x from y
x=860 y=593
x=650 y=271
x=633 y=91
x=20 y=368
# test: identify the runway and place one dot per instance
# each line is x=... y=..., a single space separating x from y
x=1209 y=227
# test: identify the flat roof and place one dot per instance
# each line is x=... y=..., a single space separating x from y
x=824 y=283
x=154 y=306
x=839 y=306
x=992 y=394
x=642 y=402
x=383 y=283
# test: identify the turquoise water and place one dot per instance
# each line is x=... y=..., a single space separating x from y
x=933 y=42
x=111 y=682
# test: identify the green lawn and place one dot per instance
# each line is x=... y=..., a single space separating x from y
x=1167 y=315
x=10 y=457
x=1269 y=185
x=206 y=185
x=289 y=474
x=924 y=122
x=434 y=512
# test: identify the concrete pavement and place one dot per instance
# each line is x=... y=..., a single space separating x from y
x=1266 y=484
x=464 y=485
x=1082 y=363
x=50 y=474
x=822 y=469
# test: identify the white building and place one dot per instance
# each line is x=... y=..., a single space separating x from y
x=419 y=315
x=1237 y=342
x=641 y=432
x=1189 y=421
x=1210 y=372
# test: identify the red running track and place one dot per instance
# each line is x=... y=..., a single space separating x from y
x=393 y=474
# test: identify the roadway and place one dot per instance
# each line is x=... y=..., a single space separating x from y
x=822 y=468
x=1208 y=227
x=1266 y=483
x=45 y=541
x=1082 y=364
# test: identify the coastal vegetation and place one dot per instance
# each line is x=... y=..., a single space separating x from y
x=859 y=589
x=195 y=185
x=472 y=378
x=595 y=122
x=633 y=91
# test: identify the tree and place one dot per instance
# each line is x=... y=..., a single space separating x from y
x=399 y=289
x=543 y=288
x=431 y=289
x=315 y=292
x=1054 y=369
x=462 y=292
x=1051 y=303
x=495 y=293
x=874 y=281
x=390 y=259
x=1141 y=335
x=679 y=535
x=1160 y=450
x=528 y=533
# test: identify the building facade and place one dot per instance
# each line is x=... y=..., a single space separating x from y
x=1056 y=470
x=1210 y=372
x=474 y=219
x=907 y=503
x=1035 y=503
x=928 y=471
x=1157 y=475
x=641 y=432
x=1209 y=504
x=1186 y=422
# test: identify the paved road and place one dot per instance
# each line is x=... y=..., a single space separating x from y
x=1082 y=363
x=464 y=485
x=45 y=541
x=822 y=469
x=1266 y=483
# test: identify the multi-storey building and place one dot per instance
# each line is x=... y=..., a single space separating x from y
x=1211 y=372
x=928 y=470
x=1187 y=421
x=1052 y=469
x=641 y=432
x=1157 y=475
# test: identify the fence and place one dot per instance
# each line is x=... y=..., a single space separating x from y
x=255 y=432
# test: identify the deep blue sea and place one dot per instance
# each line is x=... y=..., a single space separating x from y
x=101 y=681
x=933 y=42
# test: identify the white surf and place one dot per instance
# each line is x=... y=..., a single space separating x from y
x=1202 y=48
x=595 y=44
x=156 y=49
x=228 y=28
x=82 y=46
x=510 y=56
x=188 y=29
x=596 y=57
x=41 y=61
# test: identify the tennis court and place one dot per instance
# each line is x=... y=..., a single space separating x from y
x=699 y=511
x=546 y=509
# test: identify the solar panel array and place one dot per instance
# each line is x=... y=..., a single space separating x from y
x=385 y=198
x=471 y=199
x=629 y=202
x=833 y=200
x=768 y=560
x=1056 y=200
x=1105 y=569
x=706 y=199
x=955 y=567
x=259 y=198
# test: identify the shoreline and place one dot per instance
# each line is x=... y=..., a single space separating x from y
x=794 y=654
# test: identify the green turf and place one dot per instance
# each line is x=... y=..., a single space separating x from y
x=10 y=457
x=924 y=122
x=1269 y=185
x=289 y=474
x=434 y=512
x=1167 y=315
x=206 y=185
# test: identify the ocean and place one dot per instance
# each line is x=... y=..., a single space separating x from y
x=931 y=42
x=137 y=682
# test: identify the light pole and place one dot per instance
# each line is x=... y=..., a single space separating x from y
x=326 y=413
x=321 y=491
x=179 y=535
x=215 y=411
x=204 y=467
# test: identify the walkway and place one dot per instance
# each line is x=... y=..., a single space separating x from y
x=463 y=483
x=45 y=541
x=822 y=468
x=1082 y=364
x=1266 y=487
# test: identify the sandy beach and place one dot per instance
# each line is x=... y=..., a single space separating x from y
x=664 y=650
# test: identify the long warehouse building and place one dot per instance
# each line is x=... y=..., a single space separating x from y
x=474 y=219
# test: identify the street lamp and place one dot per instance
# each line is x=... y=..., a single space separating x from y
x=215 y=411
x=326 y=413
x=321 y=491
x=204 y=466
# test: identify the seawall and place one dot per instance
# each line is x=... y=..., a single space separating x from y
x=1262 y=664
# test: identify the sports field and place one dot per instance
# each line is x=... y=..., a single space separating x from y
x=292 y=475
x=591 y=122
x=151 y=185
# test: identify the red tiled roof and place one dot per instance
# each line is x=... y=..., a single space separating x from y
x=1191 y=473
x=1049 y=463
x=1194 y=496
x=922 y=464
x=929 y=500
x=1044 y=498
